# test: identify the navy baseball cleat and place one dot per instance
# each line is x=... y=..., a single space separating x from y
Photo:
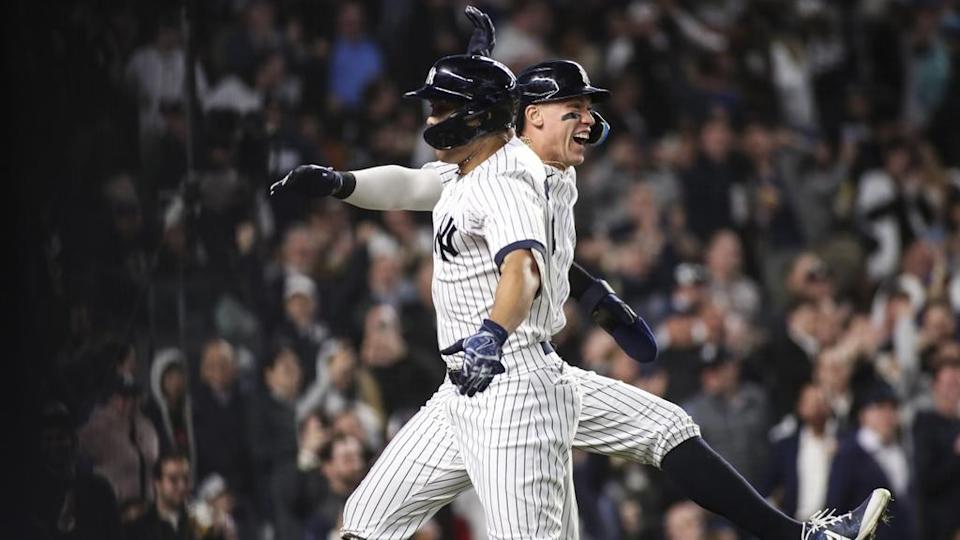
x=857 y=524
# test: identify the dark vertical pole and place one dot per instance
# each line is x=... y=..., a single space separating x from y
x=187 y=13
x=188 y=18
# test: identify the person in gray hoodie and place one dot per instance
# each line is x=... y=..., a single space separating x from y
x=170 y=408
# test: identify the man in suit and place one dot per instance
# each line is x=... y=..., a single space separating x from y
x=873 y=457
x=800 y=462
x=936 y=435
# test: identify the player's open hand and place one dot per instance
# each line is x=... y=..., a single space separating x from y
x=309 y=181
x=484 y=37
x=481 y=358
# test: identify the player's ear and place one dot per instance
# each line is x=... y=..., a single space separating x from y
x=533 y=116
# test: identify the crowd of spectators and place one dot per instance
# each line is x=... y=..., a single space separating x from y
x=779 y=199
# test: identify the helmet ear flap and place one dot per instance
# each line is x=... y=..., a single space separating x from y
x=599 y=130
x=465 y=125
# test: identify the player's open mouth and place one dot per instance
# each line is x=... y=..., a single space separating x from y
x=581 y=138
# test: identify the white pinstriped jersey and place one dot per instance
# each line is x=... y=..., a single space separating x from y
x=561 y=196
x=513 y=441
x=502 y=205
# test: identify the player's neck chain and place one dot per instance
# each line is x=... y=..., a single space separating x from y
x=463 y=164
x=555 y=164
x=486 y=149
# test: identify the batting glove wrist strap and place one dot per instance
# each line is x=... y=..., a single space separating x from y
x=348 y=183
x=498 y=332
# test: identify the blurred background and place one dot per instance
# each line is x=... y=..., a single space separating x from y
x=779 y=198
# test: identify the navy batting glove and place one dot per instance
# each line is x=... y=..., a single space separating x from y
x=314 y=181
x=612 y=314
x=481 y=357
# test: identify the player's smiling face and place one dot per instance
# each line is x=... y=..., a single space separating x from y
x=559 y=130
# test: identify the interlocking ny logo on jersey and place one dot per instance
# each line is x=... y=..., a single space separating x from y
x=443 y=240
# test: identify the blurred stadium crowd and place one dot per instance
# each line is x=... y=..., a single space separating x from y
x=779 y=198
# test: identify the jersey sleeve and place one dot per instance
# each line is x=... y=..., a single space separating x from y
x=447 y=171
x=391 y=187
x=510 y=212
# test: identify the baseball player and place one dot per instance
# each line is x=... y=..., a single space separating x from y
x=504 y=419
x=556 y=120
x=513 y=441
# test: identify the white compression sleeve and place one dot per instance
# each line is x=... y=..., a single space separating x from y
x=392 y=187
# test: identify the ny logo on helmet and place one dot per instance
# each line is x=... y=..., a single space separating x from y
x=430 y=75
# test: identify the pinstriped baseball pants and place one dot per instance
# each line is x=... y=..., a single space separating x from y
x=513 y=444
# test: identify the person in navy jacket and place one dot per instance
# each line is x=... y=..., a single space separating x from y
x=873 y=457
x=800 y=462
x=936 y=442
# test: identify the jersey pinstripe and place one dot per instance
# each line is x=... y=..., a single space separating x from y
x=480 y=218
x=561 y=189
x=560 y=239
x=513 y=442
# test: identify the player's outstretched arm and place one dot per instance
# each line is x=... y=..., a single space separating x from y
x=519 y=283
x=389 y=187
x=613 y=314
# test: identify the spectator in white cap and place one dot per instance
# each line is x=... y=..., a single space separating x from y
x=299 y=326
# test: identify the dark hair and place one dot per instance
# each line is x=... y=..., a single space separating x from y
x=896 y=143
x=325 y=453
x=167 y=457
x=877 y=392
x=275 y=350
x=316 y=412
x=937 y=303
x=797 y=304
x=122 y=385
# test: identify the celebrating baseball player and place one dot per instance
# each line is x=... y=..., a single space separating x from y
x=511 y=410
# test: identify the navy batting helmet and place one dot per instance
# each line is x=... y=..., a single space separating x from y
x=557 y=80
x=483 y=91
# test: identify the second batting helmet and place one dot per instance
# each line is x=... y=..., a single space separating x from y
x=483 y=91
x=556 y=80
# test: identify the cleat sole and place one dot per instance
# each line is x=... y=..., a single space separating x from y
x=875 y=513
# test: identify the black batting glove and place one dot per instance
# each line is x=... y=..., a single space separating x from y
x=484 y=37
x=314 y=181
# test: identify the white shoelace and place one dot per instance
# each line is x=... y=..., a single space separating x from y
x=820 y=521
